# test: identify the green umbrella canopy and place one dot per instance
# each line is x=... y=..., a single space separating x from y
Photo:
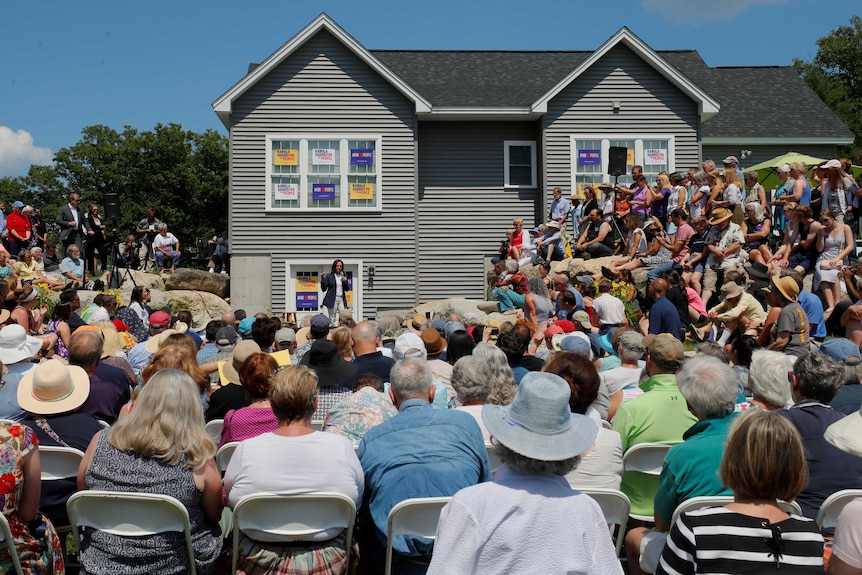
x=768 y=170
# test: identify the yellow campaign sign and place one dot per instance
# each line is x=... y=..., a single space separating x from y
x=361 y=191
x=306 y=283
x=630 y=158
x=286 y=157
x=350 y=299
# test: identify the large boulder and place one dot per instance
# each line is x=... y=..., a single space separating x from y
x=199 y=280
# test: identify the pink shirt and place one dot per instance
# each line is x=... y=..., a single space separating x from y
x=683 y=234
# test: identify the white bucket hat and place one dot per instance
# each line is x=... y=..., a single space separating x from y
x=16 y=345
x=846 y=433
x=538 y=423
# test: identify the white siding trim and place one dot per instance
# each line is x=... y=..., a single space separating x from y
x=707 y=106
x=533 y=159
x=223 y=105
x=343 y=171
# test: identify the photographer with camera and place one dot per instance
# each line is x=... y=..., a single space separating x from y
x=148 y=229
x=127 y=253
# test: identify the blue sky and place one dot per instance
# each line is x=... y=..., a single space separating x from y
x=67 y=65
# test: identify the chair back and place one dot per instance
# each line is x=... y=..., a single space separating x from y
x=59 y=462
x=831 y=508
x=417 y=517
x=8 y=541
x=224 y=454
x=213 y=429
x=293 y=516
x=615 y=507
x=645 y=458
x=130 y=515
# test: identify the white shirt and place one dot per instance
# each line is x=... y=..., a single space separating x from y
x=339 y=289
x=610 y=309
x=620 y=377
x=523 y=524
x=272 y=463
x=162 y=241
x=141 y=312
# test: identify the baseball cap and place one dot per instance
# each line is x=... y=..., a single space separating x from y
x=245 y=325
x=665 y=350
x=577 y=344
x=160 y=319
x=18 y=204
x=285 y=336
x=225 y=336
x=319 y=326
x=632 y=341
x=405 y=342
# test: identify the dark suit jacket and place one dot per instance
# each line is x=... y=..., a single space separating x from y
x=330 y=287
x=64 y=217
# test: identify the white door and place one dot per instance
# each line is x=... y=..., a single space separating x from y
x=304 y=286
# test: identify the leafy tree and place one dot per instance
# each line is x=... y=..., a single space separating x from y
x=835 y=75
x=181 y=174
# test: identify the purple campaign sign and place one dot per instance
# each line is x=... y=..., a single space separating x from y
x=362 y=157
x=589 y=157
x=306 y=300
x=322 y=191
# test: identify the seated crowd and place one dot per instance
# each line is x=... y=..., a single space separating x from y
x=515 y=419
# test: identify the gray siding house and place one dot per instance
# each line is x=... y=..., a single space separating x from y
x=409 y=165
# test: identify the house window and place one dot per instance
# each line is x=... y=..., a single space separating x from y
x=324 y=173
x=590 y=157
x=519 y=158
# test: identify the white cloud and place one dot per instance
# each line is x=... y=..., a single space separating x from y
x=17 y=152
x=702 y=11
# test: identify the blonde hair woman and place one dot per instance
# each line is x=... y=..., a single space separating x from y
x=732 y=194
x=31 y=317
x=112 y=352
x=161 y=447
x=716 y=191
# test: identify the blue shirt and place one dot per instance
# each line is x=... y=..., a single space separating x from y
x=421 y=452
x=663 y=318
x=579 y=304
x=813 y=308
x=74 y=266
x=206 y=352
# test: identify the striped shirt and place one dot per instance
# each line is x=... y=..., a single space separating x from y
x=716 y=540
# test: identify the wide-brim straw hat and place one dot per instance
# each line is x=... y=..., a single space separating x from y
x=538 y=423
x=16 y=345
x=719 y=215
x=302 y=335
x=53 y=387
x=787 y=286
x=240 y=353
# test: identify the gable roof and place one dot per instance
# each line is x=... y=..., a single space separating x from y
x=223 y=103
x=706 y=104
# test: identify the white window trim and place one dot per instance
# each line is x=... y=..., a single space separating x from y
x=343 y=171
x=533 y=175
x=606 y=144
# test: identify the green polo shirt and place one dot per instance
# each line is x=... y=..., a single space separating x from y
x=691 y=468
x=660 y=415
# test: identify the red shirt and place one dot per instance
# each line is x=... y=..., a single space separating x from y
x=20 y=224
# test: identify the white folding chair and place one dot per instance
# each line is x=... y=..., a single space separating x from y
x=615 y=507
x=292 y=516
x=7 y=540
x=317 y=424
x=224 y=454
x=130 y=515
x=59 y=462
x=104 y=424
x=721 y=500
x=417 y=517
x=831 y=508
x=213 y=429
x=645 y=458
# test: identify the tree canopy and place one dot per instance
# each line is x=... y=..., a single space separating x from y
x=835 y=75
x=182 y=175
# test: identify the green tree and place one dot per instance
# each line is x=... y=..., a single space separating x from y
x=181 y=174
x=835 y=75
